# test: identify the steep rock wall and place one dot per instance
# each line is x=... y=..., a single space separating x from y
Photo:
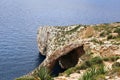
x=66 y=43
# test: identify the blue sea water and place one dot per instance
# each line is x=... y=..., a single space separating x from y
x=20 y=19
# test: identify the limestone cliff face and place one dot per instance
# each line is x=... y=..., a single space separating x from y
x=66 y=44
x=55 y=42
x=53 y=38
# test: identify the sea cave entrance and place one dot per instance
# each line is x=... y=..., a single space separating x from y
x=68 y=60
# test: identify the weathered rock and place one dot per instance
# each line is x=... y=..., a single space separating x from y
x=114 y=34
x=67 y=43
x=118 y=61
x=61 y=44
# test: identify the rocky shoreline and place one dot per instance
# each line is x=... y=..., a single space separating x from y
x=72 y=46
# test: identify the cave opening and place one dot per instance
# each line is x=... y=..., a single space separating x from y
x=68 y=60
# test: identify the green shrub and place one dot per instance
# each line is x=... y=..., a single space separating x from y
x=69 y=71
x=25 y=78
x=109 y=37
x=73 y=30
x=106 y=59
x=102 y=34
x=96 y=60
x=89 y=74
x=101 y=70
x=91 y=62
x=113 y=58
x=117 y=30
x=93 y=73
x=116 y=65
x=85 y=65
x=43 y=74
x=112 y=37
x=100 y=77
x=96 y=41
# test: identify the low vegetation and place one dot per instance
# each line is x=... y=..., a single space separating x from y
x=87 y=64
x=26 y=78
x=116 y=65
x=117 y=30
x=110 y=37
x=91 y=62
x=42 y=74
x=112 y=58
x=93 y=73
x=73 y=30
x=97 y=70
x=94 y=66
x=96 y=41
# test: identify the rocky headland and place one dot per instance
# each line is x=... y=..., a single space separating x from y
x=86 y=52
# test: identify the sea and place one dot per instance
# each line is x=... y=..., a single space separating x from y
x=20 y=20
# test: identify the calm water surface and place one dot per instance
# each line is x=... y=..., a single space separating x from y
x=19 y=21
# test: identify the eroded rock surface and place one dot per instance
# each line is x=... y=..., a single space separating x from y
x=67 y=44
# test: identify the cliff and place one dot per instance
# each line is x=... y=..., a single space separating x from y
x=55 y=42
x=73 y=45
